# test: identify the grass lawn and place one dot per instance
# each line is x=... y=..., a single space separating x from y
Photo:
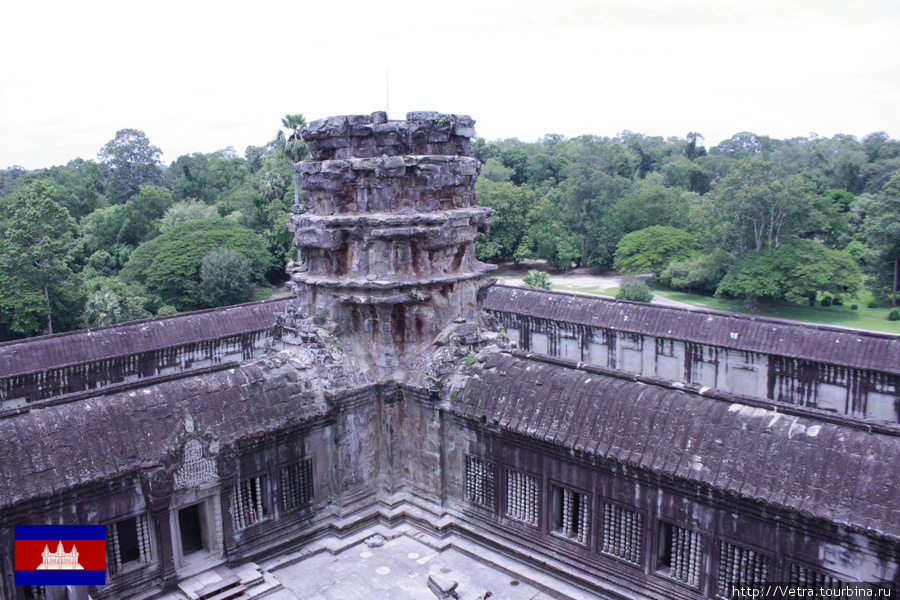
x=873 y=319
x=264 y=291
x=587 y=289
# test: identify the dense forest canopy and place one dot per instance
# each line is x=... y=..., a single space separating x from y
x=125 y=237
x=753 y=217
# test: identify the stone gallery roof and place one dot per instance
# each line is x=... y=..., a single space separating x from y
x=135 y=337
x=820 y=343
x=49 y=450
x=817 y=468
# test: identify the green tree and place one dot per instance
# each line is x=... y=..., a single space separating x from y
x=110 y=301
x=39 y=235
x=257 y=155
x=132 y=162
x=649 y=202
x=207 y=177
x=11 y=178
x=597 y=173
x=692 y=150
x=686 y=174
x=101 y=264
x=758 y=208
x=141 y=215
x=543 y=167
x=636 y=291
x=548 y=236
x=651 y=250
x=79 y=186
x=792 y=272
x=249 y=203
x=879 y=215
x=291 y=144
x=510 y=155
x=537 y=280
x=188 y=210
x=170 y=264
x=275 y=177
x=509 y=223
x=278 y=238
x=126 y=224
x=701 y=272
x=22 y=305
x=493 y=170
x=225 y=279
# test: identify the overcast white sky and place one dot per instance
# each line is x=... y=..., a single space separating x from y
x=201 y=76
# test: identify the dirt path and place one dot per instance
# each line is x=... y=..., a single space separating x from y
x=578 y=281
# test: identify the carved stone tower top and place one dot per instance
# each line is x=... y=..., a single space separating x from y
x=389 y=233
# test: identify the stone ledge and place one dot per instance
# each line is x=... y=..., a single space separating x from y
x=374 y=286
x=468 y=164
x=438 y=218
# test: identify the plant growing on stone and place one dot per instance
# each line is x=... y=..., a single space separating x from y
x=417 y=294
x=470 y=359
x=337 y=343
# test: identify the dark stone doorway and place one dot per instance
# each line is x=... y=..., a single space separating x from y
x=191 y=529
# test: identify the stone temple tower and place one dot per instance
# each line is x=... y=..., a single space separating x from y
x=388 y=237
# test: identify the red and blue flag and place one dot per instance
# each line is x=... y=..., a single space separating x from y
x=60 y=555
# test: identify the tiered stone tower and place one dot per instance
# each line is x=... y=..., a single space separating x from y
x=388 y=237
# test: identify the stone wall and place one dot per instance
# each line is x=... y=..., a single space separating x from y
x=643 y=534
x=664 y=493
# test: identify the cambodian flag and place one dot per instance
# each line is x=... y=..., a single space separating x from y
x=60 y=555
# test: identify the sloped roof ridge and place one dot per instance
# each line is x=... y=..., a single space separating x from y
x=115 y=388
x=808 y=412
x=710 y=311
x=119 y=431
x=62 y=350
x=157 y=319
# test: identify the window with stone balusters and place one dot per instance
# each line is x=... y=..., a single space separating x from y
x=250 y=502
x=128 y=544
x=679 y=553
x=479 y=481
x=622 y=533
x=522 y=497
x=801 y=575
x=741 y=566
x=570 y=514
x=297 y=485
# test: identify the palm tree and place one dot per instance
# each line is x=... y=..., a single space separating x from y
x=292 y=145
